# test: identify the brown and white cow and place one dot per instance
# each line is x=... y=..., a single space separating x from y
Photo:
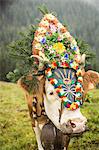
x=46 y=98
x=43 y=95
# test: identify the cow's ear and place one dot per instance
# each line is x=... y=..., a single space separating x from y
x=82 y=61
x=83 y=57
x=31 y=84
x=22 y=84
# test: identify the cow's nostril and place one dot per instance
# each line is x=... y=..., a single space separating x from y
x=73 y=124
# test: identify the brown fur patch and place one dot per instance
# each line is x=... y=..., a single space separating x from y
x=90 y=80
x=37 y=90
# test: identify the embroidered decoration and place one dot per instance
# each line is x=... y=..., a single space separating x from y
x=53 y=41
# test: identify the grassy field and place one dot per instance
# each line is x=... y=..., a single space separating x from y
x=15 y=125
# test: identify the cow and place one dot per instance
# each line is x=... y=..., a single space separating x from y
x=90 y=77
x=46 y=99
x=53 y=98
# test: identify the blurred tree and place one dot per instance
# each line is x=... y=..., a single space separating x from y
x=80 y=17
x=5 y=3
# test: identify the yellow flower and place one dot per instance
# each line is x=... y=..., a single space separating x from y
x=59 y=47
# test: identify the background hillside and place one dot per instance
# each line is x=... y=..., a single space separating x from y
x=81 y=17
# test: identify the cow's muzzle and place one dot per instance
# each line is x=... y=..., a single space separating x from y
x=74 y=127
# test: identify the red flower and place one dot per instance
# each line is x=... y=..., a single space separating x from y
x=78 y=89
x=65 y=64
x=68 y=105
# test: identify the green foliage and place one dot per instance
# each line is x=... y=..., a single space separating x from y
x=21 y=50
x=15 y=124
x=43 y=9
x=85 y=48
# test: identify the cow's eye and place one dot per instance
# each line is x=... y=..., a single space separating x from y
x=51 y=93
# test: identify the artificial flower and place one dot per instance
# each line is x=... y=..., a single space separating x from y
x=43 y=40
x=77 y=58
x=59 y=47
x=59 y=39
x=66 y=56
x=73 y=46
x=80 y=79
x=73 y=106
x=38 y=38
x=79 y=72
x=59 y=25
x=52 y=28
x=41 y=30
x=54 y=65
x=67 y=34
x=38 y=46
x=63 y=30
x=44 y=23
x=49 y=17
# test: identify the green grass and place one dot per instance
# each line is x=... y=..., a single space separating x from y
x=15 y=124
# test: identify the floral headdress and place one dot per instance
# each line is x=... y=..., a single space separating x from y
x=54 y=43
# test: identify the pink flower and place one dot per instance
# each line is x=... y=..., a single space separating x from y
x=52 y=28
x=59 y=39
x=43 y=50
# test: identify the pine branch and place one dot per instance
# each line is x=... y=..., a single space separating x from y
x=43 y=9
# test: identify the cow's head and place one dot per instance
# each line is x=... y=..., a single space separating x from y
x=67 y=121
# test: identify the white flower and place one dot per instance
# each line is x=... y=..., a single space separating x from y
x=63 y=59
x=50 y=16
x=38 y=46
x=38 y=38
x=42 y=30
x=74 y=41
x=49 y=74
x=44 y=23
x=53 y=28
x=73 y=46
x=61 y=36
x=80 y=78
x=67 y=34
x=51 y=51
x=55 y=81
x=59 y=25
